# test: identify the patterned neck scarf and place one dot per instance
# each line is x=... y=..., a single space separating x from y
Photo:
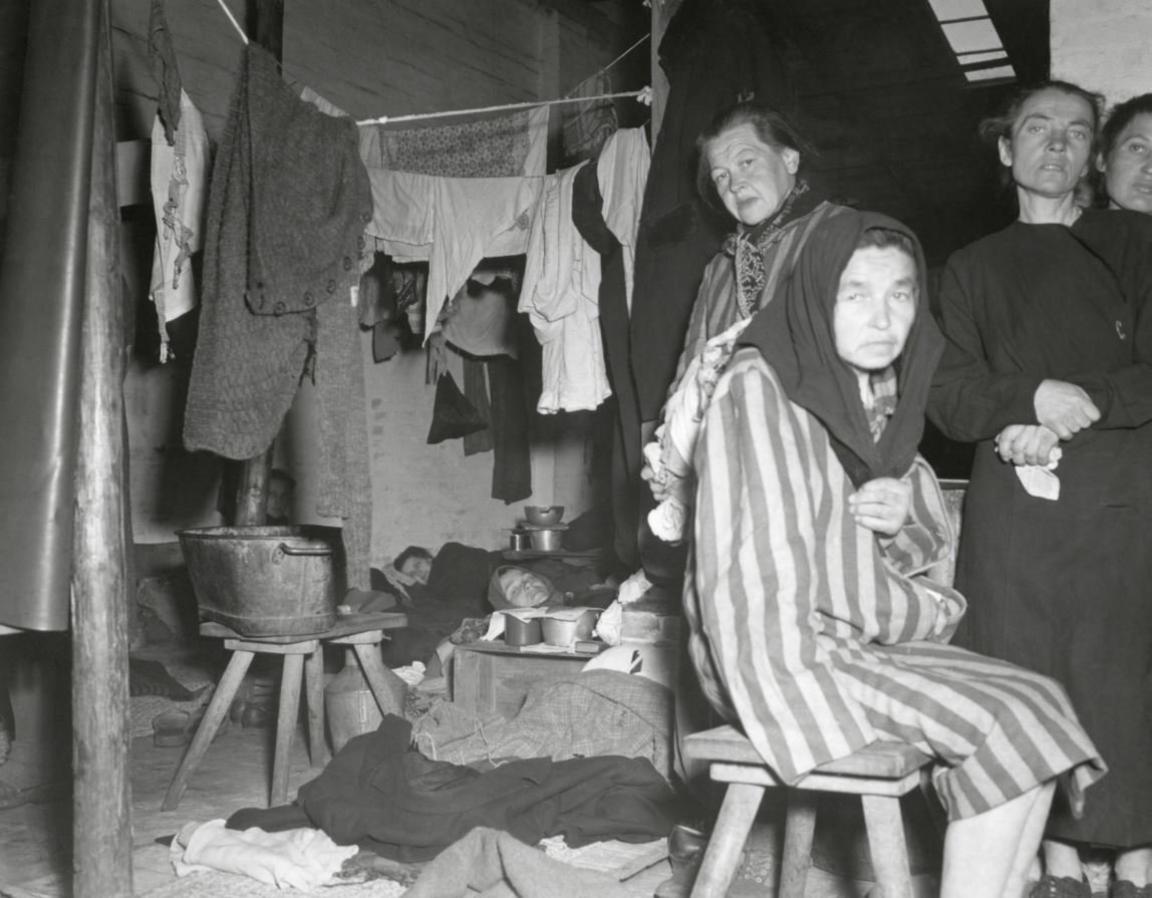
x=749 y=245
x=881 y=403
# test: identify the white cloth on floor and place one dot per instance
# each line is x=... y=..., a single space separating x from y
x=179 y=180
x=453 y=223
x=561 y=294
x=622 y=171
x=302 y=859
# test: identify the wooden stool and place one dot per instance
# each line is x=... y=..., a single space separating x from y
x=303 y=660
x=879 y=773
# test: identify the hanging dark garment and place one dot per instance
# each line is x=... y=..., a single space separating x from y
x=42 y=282
x=587 y=204
x=511 y=465
x=476 y=391
x=714 y=53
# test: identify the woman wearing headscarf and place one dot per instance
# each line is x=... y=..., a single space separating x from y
x=1047 y=370
x=813 y=626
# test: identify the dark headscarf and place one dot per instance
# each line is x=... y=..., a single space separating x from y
x=794 y=333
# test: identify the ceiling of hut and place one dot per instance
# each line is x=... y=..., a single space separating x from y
x=884 y=97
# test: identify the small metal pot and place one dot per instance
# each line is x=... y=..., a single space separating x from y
x=521 y=632
x=547 y=540
x=520 y=541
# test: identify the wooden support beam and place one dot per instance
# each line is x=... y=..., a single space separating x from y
x=266 y=25
x=102 y=831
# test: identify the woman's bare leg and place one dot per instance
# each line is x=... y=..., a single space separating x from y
x=1135 y=865
x=1062 y=859
x=985 y=856
x=1028 y=851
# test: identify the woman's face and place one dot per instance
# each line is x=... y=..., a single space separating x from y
x=751 y=178
x=1050 y=143
x=1128 y=168
x=875 y=307
x=418 y=568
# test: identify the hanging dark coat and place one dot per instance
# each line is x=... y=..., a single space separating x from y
x=714 y=53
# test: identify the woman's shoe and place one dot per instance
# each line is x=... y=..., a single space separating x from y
x=1122 y=888
x=1060 y=887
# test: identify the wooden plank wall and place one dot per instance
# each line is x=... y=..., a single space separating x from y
x=382 y=57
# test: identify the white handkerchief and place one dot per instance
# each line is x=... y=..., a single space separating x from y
x=1039 y=481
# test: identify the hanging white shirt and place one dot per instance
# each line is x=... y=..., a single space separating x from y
x=561 y=294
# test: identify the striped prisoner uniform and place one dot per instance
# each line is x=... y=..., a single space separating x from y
x=813 y=633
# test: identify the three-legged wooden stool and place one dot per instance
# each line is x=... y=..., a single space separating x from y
x=879 y=773
x=303 y=661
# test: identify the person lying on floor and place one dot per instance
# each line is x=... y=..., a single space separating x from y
x=813 y=627
x=406 y=577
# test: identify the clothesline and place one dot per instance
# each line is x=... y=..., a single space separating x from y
x=610 y=65
x=643 y=95
x=232 y=19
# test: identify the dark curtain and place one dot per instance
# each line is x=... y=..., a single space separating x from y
x=42 y=282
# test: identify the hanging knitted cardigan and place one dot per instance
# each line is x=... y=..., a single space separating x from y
x=287 y=207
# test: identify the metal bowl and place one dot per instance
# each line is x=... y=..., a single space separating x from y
x=543 y=515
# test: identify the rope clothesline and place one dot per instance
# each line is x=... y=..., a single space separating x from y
x=643 y=95
x=638 y=42
x=232 y=19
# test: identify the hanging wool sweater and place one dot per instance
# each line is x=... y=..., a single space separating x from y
x=287 y=207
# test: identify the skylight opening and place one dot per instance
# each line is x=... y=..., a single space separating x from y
x=973 y=38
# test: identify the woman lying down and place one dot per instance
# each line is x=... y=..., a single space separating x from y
x=813 y=626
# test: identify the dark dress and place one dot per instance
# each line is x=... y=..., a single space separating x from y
x=1062 y=587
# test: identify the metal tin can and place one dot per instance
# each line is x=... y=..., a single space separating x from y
x=519 y=540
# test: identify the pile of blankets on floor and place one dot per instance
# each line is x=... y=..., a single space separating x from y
x=378 y=792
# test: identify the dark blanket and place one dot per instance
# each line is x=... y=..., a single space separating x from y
x=457 y=588
x=381 y=794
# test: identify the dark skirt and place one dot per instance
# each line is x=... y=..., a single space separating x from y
x=1064 y=588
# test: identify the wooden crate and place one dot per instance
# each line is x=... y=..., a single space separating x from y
x=493 y=677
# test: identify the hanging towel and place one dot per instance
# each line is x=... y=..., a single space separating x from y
x=179 y=176
x=588 y=125
x=500 y=146
x=287 y=206
x=622 y=172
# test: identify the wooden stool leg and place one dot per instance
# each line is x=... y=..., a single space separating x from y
x=722 y=856
x=379 y=677
x=286 y=718
x=209 y=724
x=799 y=828
x=886 y=845
x=314 y=683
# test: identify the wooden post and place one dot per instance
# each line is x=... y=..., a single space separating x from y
x=266 y=25
x=102 y=832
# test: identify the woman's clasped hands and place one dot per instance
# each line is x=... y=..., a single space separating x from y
x=882 y=505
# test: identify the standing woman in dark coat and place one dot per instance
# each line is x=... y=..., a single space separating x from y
x=1047 y=368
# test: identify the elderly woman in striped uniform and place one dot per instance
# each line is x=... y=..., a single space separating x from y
x=813 y=626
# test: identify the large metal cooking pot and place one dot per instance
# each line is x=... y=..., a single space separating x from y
x=265 y=581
